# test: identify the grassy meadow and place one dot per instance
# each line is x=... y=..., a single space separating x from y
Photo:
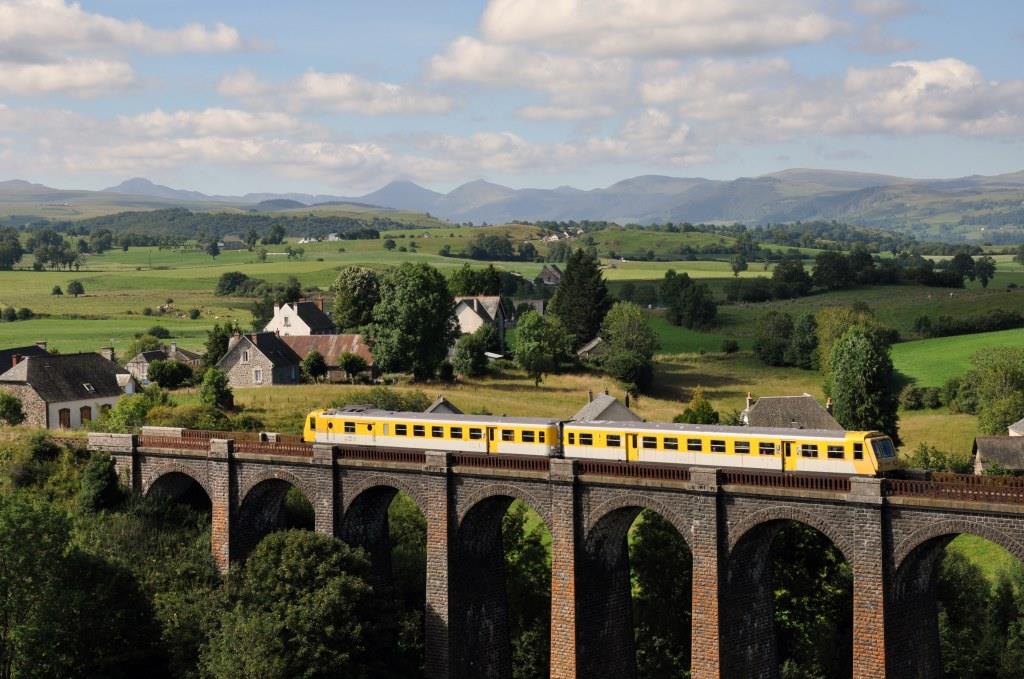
x=930 y=362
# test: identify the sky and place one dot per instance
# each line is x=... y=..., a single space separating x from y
x=342 y=97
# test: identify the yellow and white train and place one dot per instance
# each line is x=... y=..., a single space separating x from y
x=865 y=453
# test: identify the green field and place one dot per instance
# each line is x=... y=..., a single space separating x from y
x=931 y=362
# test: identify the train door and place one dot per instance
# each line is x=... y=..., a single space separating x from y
x=631 y=450
x=788 y=456
x=492 y=446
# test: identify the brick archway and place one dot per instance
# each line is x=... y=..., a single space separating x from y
x=277 y=474
x=497 y=490
x=640 y=502
x=779 y=513
x=953 y=527
x=383 y=481
x=167 y=468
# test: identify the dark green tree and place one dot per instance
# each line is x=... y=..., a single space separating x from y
x=275 y=236
x=581 y=300
x=631 y=346
x=832 y=271
x=470 y=359
x=215 y=392
x=352 y=364
x=76 y=288
x=698 y=411
x=314 y=367
x=11 y=251
x=790 y=279
x=99 y=487
x=414 y=321
x=356 y=292
x=985 y=270
x=212 y=249
x=803 y=346
x=217 y=339
x=11 y=412
x=542 y=344
x=169 y=374
x=773 y=338
x=860 y=383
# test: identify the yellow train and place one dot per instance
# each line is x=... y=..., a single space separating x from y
x=864 y=453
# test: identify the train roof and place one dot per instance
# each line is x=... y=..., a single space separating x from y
x=730 y=430
x=370 y=411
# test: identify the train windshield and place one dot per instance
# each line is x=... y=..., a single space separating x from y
x=883 y=448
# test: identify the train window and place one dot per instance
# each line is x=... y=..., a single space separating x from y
x=572 y=439
x=312 y=423
x=883 y=448
x=350 y=427
x=586 y=439
x=717 y=446
x=418 y=430
x=836 y=452
x=614 y=441
x=858 y=451
x=384 y=427
x=649 y=442
x=671 y=443
x=766 y=448
x=456 y=432
x=540 y=437
x=508 y=435
x=808 y=450
x=330 y=425
x=528 y=436
x=741 y=447
x=475 y=433
x=437 y=432
x=694 y=445
x=401 y=430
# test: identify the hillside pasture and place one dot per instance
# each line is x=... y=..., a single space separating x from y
x=931 y=362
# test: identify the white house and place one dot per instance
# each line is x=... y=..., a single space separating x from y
x=305 y=317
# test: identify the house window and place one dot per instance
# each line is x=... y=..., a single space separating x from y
x=808 y=450
x=88 y=387
x=257 y=376
x=766 y=448
x=508 y=435
x=858 y=451
x=437 y=432
x=401 y=430
x=836 y=452
x=64 y=417
x=694 y=445
x=85 y=414
x=741 y=447
x=475 y=433
x=614 y=441
x=649 y=442
x=586 y=439
x=456 y=432
x=671 y=443
x=717 y=446
x=286 y=321
x=350 y=427
x=245 y=356
x=528 y=437
x=418 y=430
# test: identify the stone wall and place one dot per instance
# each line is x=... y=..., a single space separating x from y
x=32 y=405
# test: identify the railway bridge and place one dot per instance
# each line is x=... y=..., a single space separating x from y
x=891 y=532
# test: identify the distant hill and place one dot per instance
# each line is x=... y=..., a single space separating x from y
x=971 y=208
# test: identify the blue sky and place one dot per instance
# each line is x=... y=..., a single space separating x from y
x=341 y=97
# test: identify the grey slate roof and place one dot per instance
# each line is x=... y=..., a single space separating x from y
x=68 y=377
x=795 y=412
x=443 y=405
x=7 y=355
x=606 y=408
x=165 y=353
x=270 y=345
x=1006 y=451
x=311 y=315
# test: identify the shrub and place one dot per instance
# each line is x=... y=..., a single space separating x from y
x=76 y=288
x=56 y=290
x=9 y=315
x=42 y=448
x=446 y=372
x=159 y=332
x=193 y=314
x=730 y=346
x=931 y=397
x=215 y=392
x=24 y=313
x=99 y=488
x=147 y=311
x=169 y=374
x=10 y=409
x=911 y=398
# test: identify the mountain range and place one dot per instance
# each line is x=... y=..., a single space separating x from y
x=786 y=196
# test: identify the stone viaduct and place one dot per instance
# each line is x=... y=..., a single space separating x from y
x=891 y=532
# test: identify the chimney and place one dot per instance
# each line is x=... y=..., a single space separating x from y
x=320 y=302
x=41 y=345
x=627 y=400
x=107 y=353
x=233 y=340
x=14 y=359
x=606 y=392
x=174 y=349
x=750 y=400
x=277 y=308
x=590 y=396
x=828 y=405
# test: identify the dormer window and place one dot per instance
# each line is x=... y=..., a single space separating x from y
x=89 y=388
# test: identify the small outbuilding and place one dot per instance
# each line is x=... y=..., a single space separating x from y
x=605 y=408
x=443 y=406
x=1005 y=453
x=793 y=412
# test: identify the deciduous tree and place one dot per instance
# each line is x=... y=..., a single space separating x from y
x=542 y=344
x=860 y=382
x=356 y=292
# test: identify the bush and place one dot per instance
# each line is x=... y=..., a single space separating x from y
x=24 y=313
x=11 y=412
x=911 y=398
x=730 y=346
x=930 y=458
x=99 y=487
x=446 y=372
x=193 y=314
x=147 y=311
x=931 y=397
x=9 y=315
x=470 y=359
x=169 y=374
x=159 y=331
x=56 y=290
x=385 y=399
x=215 y=391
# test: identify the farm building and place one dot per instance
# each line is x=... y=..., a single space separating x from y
x=63 y=391
x=476 y=312
x=259 y=358
x=595 y=348
x=999 y=452
x=232 y=242
x=305 y=317
x=331 y=347
x=139 y=365
x=549 y=275
x=794 y=412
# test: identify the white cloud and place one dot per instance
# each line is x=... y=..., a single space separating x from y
x=565 y=112
x=36 y=25
x=649 y=27
x=342 y=92
x=79 y=77
x=219 y=122
x=884 y=9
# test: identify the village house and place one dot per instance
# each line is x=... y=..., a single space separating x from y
x=475 y=312
x=232 y=242
x=12 y=356
x=550 y=275
x=64 y=391
x=305 y=317
x=793 y=412
x=331 y=347
x=139 y=365
x=259 y=358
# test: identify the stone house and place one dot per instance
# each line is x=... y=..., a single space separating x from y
x=232 y=242
x=64 y=391
x=305 y=317
x=259 y=358
x=476 y=312
x=549 y=275
x=331 y=347
x=1003 y=452
x=139 y=365
x=796 y=412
